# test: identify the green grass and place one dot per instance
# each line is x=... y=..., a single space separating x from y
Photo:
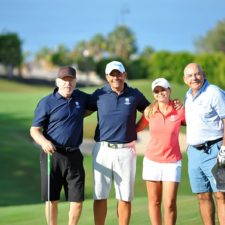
x=19 y=165
x=34 y=214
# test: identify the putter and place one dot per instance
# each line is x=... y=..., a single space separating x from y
x=49 y=170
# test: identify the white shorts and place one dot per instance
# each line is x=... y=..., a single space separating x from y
x=114 y=165
x=154 y=171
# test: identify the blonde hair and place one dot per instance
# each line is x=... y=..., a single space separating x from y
x=151 y=109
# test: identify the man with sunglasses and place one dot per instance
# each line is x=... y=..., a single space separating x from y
x=205 y=119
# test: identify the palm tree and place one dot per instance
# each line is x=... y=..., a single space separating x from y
x=97 y=47
x=121 y=42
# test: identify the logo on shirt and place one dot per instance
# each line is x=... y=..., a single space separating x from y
x=127 y=101
x=77 y=105
x=173 y=118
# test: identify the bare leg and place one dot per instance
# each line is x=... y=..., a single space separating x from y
x=154 y=189
x=124 y=212
x=100 y=211
x=169 y=200
x=53 y=212
x=207 y=208
x=75 y=212
x=220 y=200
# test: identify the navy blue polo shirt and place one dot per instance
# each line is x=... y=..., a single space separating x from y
x=117 y=113
x=61 y=118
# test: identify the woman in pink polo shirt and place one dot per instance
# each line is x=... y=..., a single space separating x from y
x=162 y=160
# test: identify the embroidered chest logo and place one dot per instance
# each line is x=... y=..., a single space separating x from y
x=77 y=105
x=127 y=101
x=173 y=117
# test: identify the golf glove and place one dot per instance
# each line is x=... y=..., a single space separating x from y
x=221 y=157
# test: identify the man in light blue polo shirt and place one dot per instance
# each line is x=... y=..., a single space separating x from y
x=205 y=119
x=114 y=156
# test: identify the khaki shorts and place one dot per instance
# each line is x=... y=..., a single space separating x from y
x=155 y=171
x=114 y=165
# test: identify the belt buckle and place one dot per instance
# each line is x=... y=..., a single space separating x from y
x=201 y=146
x=204 y=147
x=111 y=145
x=67 y=149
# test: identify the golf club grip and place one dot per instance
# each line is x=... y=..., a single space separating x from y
x=49 y=163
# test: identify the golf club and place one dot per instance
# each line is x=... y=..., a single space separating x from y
x=49 y=170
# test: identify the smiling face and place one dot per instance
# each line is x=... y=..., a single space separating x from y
x=66 y=86
x=162 y=94
x=194 y=77
x=116 y=80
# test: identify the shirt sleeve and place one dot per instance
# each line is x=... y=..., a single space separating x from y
x=143 y=102
x=40 y=115
x=142 y=123
x=92 y=101
x=218 y=102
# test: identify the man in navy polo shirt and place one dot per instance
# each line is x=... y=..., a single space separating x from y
x=58 y=128
x=114 y=156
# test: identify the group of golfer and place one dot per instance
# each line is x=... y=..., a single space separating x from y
x=58 y=128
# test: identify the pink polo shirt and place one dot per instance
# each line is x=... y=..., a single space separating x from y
x=163 y=145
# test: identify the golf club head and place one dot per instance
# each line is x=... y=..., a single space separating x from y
x=219 y=176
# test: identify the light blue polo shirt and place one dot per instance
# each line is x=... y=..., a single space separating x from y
x=204 y=113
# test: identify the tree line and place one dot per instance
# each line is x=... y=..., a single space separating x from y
x=120 y=44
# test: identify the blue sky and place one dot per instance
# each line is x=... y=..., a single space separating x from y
x=163 y=24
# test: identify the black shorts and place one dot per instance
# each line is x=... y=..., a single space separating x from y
x=66 y=171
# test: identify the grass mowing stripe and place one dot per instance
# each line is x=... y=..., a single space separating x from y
x=34 y=214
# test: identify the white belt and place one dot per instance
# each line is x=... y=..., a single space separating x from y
x=116 y=145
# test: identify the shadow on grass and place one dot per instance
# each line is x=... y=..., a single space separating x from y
x=20 y=171
x=19 y=163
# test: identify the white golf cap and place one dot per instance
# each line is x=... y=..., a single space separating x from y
x=161 y=82
x=114 y=65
